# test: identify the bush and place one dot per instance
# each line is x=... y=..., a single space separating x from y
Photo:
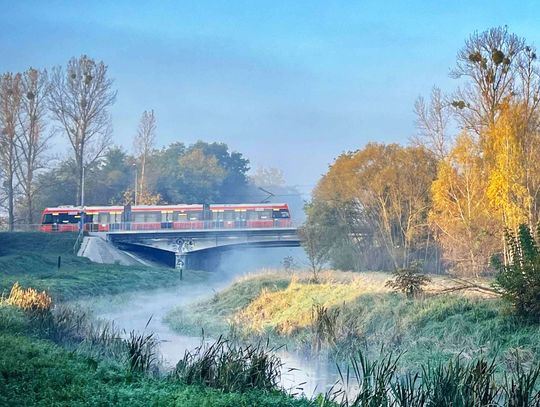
x=29 y=299
x=409 y=281
x=519 y=279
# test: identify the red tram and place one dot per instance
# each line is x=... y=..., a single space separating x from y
x=156 y=217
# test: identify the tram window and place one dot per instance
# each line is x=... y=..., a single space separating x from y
x=266 y=214
x=103 y=217
x=195 y=215
x=68 y=218
x=153 y=216
x=252 y=215
x=166 y=216
x=180 y=216
x=229 y=215
x=138 y=217
x=48 y=219
x=282 y=213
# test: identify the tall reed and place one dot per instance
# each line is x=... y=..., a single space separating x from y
x=457 y=384
x=230 y=367
x=141 y=350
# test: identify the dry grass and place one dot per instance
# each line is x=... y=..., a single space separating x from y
x=370 y=282
x=291 y=309
x=29 y=299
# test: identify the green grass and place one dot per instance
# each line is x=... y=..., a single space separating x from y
x=432 y=329
x=37 y=372
x=32 y=258
x=212 y=315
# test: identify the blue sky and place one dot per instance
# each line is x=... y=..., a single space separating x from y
x=289 y=84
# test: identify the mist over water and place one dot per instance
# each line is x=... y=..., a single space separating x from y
x=144 y=311
x=236 y=263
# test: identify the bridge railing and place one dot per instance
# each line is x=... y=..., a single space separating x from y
x=155 y=226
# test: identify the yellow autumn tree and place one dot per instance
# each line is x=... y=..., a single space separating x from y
x=381 y=195
x=460 y=214
x=144 y=197
x=507 y=191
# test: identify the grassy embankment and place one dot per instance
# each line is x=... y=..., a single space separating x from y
x=35 y=370
x=346 y=312
x=32 y=260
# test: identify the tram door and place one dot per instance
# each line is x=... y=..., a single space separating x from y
x=207 y=217
x=126 y=217
x=240 y=218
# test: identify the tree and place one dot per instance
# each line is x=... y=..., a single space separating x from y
x=203 y=172
x=489 y=62
x=504 y=157
x=268 y=177
x=316 y=246
x=106 y=180
x=79 y=100
x=381 y=196
x=10 y=103
x=32 y=142
x=200 y=176
x=432 y=122
x=143 y=144
x=461 y=216
x=235 y=181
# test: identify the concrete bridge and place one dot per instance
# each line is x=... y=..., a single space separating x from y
x=200 y=249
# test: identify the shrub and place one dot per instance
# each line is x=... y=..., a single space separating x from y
x=519 y=279
x=29 y=299
x=409 y=281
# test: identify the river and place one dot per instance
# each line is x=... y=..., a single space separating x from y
x=144 y=311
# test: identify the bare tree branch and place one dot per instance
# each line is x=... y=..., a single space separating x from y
x=144 y=143
x=10 y=99
x=32 y=141
x=79 y=100
x=432 y=124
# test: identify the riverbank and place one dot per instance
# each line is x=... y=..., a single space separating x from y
x=62 y=356
x=46 y=261
x=348 y=312
x=37 y=371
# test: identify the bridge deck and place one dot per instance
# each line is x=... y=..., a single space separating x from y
x=122 y=235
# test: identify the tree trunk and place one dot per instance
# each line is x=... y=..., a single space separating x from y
x=11 y=215
x=141 y=181
x=80 y=181
x=29 y=208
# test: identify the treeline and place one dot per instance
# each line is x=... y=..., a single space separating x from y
x=471 y=172
x=201 y=172
x=72 y=103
